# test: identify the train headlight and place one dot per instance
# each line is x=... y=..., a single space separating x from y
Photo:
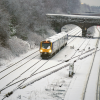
x=50 y=51
x=41 y=50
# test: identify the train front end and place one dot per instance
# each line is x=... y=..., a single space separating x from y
x=45 y=49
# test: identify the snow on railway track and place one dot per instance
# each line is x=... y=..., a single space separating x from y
x=18 y=67
x=21 y=60
x=81 y=87
x=93 y=75
x=43 y=68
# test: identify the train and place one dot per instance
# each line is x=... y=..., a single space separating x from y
x=53 y=44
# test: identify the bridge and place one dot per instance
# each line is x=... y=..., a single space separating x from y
x=57 y=21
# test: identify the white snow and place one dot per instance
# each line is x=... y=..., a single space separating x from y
x=74 y=16
x=58 y=85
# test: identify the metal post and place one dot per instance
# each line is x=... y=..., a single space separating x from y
x=71 y=69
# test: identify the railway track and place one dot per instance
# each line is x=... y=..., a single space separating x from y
x=21 y=87
x=98 y=83
x=81 y=47
x=52 y=67
x=87 y=82
x=11 y=65
x=19 y=76
x=83 y=81
x=26 y=78
x=16 y=68
x=73 y=38
x=35 y=70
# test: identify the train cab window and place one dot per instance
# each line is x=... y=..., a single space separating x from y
x=46 y=45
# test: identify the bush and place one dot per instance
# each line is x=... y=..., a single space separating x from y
x=18 y=46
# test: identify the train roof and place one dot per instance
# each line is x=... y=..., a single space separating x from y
x=56 y=37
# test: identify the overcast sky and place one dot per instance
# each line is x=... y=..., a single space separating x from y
x=91 y=2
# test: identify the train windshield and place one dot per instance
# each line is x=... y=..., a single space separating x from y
x=46 y=45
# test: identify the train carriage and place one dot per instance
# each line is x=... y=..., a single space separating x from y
x=53 y=44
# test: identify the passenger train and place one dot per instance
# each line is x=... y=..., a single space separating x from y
x=53 y=44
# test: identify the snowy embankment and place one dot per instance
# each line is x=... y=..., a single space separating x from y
x=17 y=47
x=13 y=75
x=58 y=85
x=55 y=86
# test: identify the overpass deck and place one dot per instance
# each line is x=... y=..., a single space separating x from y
x=74 y=16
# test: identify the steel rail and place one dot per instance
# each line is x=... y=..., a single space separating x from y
x=83 y=97
x=17 y=62
x=17 y=68
x=48 y=69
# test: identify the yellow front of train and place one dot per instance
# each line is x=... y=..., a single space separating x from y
x=45 y=49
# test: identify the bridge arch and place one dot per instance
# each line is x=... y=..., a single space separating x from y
x=68 y=27
x=84 y=22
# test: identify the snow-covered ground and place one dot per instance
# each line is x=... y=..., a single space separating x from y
x=57 y=85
